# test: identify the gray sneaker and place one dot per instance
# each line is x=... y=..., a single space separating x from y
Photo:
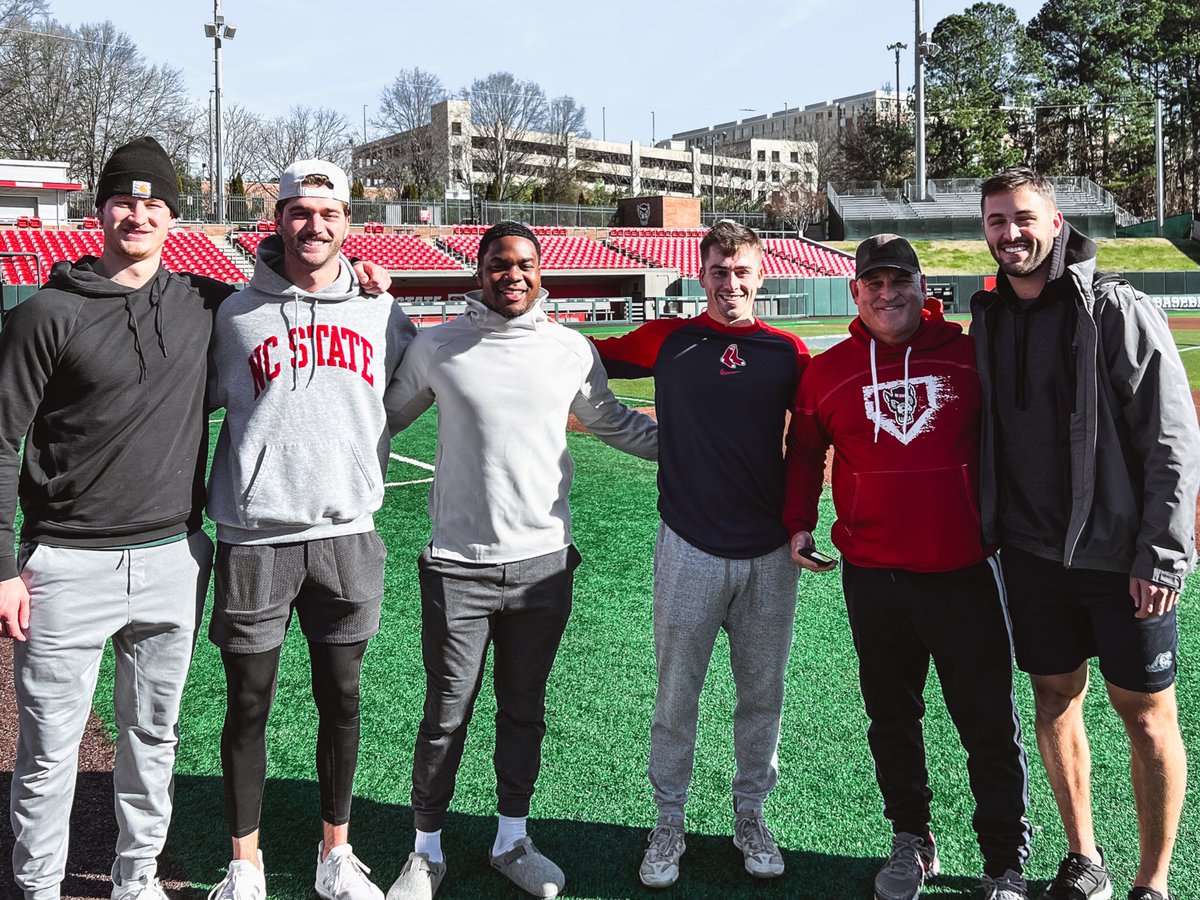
x=752 y=836
x=660 y=865
x=419 y=879
x=1079 y=878
x=526 y=867
x=914 y=860
x=1009 y=886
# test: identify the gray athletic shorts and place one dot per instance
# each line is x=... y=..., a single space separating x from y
x=335 y=585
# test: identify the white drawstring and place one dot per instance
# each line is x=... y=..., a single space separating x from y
x=907 y=407
x=875 y=389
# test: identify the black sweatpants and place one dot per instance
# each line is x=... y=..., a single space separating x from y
x=520 y=608
x=900 y=620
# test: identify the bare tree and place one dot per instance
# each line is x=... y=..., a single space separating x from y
x=504 y=113
x=304 y=132
x=242 y=135
x=565 y=120
x=796 y=205
x=39 y=97
x=404 y=104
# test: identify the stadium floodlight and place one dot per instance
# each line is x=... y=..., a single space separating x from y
x=897 y=47
x=218 y=30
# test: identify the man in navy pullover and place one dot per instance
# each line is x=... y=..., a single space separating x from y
x=724 y=382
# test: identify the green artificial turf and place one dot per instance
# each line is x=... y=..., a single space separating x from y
x=593 y=803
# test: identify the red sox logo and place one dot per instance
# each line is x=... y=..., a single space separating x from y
x=732 y=361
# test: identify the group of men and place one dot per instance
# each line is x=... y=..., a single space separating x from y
x=1061 y=432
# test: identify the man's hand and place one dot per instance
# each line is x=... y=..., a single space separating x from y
x=1151 y=599
x=14 y=608
x=374 y=279
x=803 y=540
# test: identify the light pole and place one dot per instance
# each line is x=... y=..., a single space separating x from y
x=218 y=31
x=653 y=128
x=210 y=149
x=604 y=123
x=897 y=47
x=923 y=47
x=712 y=172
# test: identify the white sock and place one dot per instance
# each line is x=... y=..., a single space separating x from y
x=509 y=830
x=429 y=843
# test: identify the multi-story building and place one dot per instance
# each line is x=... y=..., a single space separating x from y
x=463 y=156
x=792 y=123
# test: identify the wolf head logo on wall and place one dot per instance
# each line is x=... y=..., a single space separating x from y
x=643 y=211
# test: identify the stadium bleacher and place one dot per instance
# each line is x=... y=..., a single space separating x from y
x=784 y=257
x=816 y=258
x=184 y=251
x=398 y=252
x=558 y=252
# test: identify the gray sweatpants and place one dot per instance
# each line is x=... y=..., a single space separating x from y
x=148 y=602
x=695 y=595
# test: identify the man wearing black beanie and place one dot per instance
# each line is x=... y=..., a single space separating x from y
x=102 y=373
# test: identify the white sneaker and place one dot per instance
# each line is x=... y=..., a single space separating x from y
x=245 y=881
x=142 y=889
x=342 y=876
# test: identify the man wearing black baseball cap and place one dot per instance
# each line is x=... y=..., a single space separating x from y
x=899 y=401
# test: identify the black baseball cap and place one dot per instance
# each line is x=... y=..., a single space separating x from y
x=885 y=251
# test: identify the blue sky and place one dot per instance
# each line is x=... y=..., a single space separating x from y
x=716 y=62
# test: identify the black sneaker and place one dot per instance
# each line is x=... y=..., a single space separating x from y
x=913 y=861
x=1079 y=878
x=1145 y=893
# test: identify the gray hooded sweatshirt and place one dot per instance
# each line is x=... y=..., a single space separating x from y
x=504 y=389
x=304 y=446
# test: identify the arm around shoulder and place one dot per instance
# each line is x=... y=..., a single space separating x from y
x=609 y=419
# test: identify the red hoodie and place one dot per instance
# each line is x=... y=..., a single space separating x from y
x=905 y=481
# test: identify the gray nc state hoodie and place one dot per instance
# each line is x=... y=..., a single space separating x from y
x=304 y=445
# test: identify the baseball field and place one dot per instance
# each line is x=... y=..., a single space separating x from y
x=593 y=806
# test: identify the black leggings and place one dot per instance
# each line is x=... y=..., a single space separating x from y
x=250 y=690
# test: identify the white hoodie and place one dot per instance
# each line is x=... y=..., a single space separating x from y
x=504 y=388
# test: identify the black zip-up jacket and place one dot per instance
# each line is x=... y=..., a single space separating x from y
x=1134 y=440
x=105 y=384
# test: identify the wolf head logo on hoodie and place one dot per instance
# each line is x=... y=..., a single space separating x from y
x=907 y=408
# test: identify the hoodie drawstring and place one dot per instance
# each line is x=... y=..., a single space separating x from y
x=877 y=415
x=312 y=336
x=875 y=389
x=143 y=373
x=156 y=302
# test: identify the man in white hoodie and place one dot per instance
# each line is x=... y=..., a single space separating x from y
x=301 y=361
x=500 y=566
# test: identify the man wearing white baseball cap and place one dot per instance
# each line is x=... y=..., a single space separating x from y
x=302 y=362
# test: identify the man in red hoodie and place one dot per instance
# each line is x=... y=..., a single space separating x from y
x=899 y=402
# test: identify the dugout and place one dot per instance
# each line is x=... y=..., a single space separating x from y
x=32 y=189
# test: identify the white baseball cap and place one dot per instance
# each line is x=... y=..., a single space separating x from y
x=291 y=182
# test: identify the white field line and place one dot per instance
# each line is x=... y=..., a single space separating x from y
x=640 y=401
x=1186 y=349
x=412 y=462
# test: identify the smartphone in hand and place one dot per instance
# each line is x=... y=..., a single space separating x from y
x=824 y=560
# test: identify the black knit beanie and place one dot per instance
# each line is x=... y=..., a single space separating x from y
x=139 y=169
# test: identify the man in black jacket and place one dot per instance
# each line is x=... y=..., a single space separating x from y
x=1090 y=449
x=102 y=373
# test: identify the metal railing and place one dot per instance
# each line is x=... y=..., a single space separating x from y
x=241 y=210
